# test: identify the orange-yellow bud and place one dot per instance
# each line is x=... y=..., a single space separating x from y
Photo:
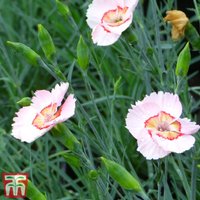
x=179 y=20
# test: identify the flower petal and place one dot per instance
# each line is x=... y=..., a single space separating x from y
x=41 y=99
x=179 y=145
x=35 y=120
x=23 y=128
x=188 y=127
x=137 y=116
x=168 y=102
x=131 y=4
x=67 y=110
x=103 y=37
x=44 y=98
x=97 y=9
x=127 y=17
x=58 y=92
x=149 y=148
x=119 y=29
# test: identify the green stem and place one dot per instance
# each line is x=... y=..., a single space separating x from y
x=165 y=177
x=179 y=83
x=44 y=66
x=144 y=195
x=193 y=180
x=159 y=181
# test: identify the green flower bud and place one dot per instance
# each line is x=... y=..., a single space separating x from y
x=183 y=61
x=121 y=175
x=192 y=36
x=26 y=101
x=82 y=54
x=93 y=174
x=62 y=8
x=46 y=42
x=61 y=132
x=72 y=159
x=31 y=56
x=33 y=193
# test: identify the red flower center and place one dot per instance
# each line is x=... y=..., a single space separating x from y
x=115 y=17
x=45 y=116
x=164 y=125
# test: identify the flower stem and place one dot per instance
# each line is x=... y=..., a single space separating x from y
x=49 y=70
x=193 y=180
x=165 y=177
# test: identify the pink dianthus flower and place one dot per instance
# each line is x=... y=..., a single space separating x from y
x=109 y=18
x=156 y=124
x=45 y=111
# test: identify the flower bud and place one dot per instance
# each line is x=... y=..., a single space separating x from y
x=82 y=54
x=179 y=20
x=61 y=132
x=33 y=193
x=46 y=42
x=183 y=61
x=121 y=175
x=31 y=56
x=93 y=174
x=72 y=159
x=62 y=8
x=192 y=36
x=26 y=101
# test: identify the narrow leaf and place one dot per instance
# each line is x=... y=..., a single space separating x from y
x=117 y=84
x=60 y=74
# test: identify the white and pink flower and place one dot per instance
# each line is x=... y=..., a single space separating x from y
x=45 y=111
x=156 y=124
x=109 y=18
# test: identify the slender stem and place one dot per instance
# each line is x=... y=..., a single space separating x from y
x=178 y=85
x=144 y=195
x=49 y=70
x=193 y=180
x=159 y=182
x=165 y=177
